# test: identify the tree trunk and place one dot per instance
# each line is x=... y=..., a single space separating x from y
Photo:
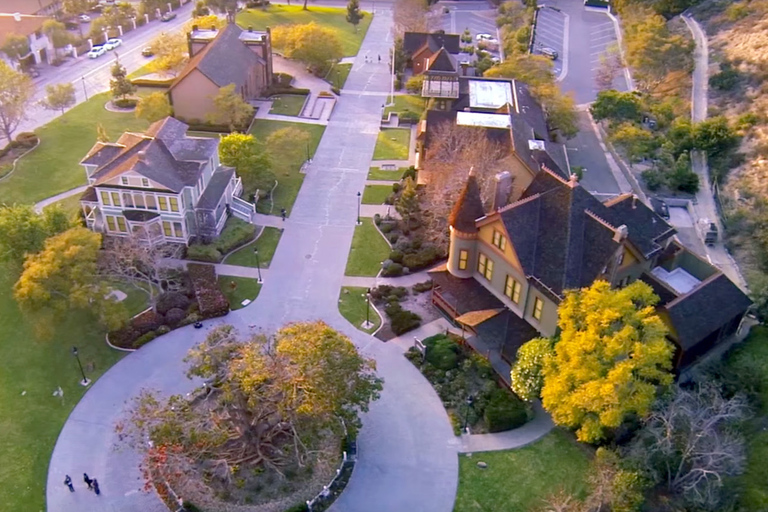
x=305 y=5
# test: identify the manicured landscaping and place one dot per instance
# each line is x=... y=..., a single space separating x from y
x=71 y=205
x=266 y=243
x=236 y=233
x=522 y=478
x=353 y=305
x=337 y=76
x=376 y=173
x=368 y=250
x=287 y=168
x=407 y=103
x=333 y=18
x=54 y=166
x=287 y=104
x=30 y=415
x=237 y=289
x=392 y=144
x=376 y=194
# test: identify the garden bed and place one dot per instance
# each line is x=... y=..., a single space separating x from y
x=24 y=142
x=402 y=310
x=468 y=386
x=236 y=233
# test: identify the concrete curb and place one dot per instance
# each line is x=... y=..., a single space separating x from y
x=620 y=41
x=16 y=160
x=121 y=349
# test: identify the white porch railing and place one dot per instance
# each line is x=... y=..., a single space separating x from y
x=242 y=209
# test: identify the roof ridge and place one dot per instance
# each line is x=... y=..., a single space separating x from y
x=519 y=202
x=674 y=302
x=600 y=219
x=616 y=200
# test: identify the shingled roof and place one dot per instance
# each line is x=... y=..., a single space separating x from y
x=468 y=207
x=647 y=231
x=413 y=41
x=225 y=60
x=442 y=62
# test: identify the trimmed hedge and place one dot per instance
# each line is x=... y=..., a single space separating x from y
x=211 y=300
x=442 y=353
x=125 y=103
x=171 y=300
x=504 y=412
x=26 y=140
x=200 y=252
x=401 y=320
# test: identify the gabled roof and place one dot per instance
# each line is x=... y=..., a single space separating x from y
x=442 y=62
x=552 y=155
x=558 y=234
x=414 y=41
x=225 y=60
x=24 y=27
x=468 y=207
x=647 y=231
x=24 y=6
x=164 y=154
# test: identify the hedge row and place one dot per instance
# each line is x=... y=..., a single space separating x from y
x=210 y=299
x=236 y=233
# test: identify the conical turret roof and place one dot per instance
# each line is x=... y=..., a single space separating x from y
x=468 y=207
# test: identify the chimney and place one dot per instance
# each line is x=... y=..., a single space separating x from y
x=573 y=180
x=17 y=16
x=621 y=233
x=634 y=201
x=502 y=188
x=141 y=155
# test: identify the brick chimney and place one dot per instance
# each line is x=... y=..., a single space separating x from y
x=502 y=188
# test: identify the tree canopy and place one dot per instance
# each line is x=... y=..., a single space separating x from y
x=120 y=85
x=153 y=107
x=16 y=90
x=15 y=46
x=231 y=109
x=170 y=49
x=617 y=106
x=249 y=157
x=610 y=360
x=527 y=373
x=353 y=13
x=23 y=232
x=316 y=46
x=59 y=96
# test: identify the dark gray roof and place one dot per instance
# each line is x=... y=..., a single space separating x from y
x=103 y=154
x=647 y=230
x=413 y=41
x=215 y=189
x=559 y=244
x=89 y=195
x=530 y=110
x=167 y=129
x=552 y=157
x=442 y=62
x=705 y=309
x=464 y=295
x=468 y=207
x=508 y=331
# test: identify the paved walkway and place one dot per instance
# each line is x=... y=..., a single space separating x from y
x=372 y=282
x=58 y=197
x=407 y=450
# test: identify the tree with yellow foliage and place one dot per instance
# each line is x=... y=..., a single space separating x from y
x=64 y=276
x=610 y=361
x=316 y=46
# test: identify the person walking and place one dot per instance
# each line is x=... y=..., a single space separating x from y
x=88 y=481
x=282 y=213
x=68 y=483
x=379 y=58
x=95 y=484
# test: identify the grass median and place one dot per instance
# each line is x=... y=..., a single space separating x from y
x=238 y=289
x=266 y=243
x=368 y=250
x=353 y=305
x=392 y=144
x=376 y=194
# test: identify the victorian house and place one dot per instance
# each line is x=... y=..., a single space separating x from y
x=161 y=184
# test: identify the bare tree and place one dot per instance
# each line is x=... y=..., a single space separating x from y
x=609 y=68
x=413 y=16
x=133 y=259
x=691 y=442
x=453 y=150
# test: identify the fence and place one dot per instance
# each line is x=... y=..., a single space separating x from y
x=330 y=492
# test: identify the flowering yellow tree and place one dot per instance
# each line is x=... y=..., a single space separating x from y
x=610 y=361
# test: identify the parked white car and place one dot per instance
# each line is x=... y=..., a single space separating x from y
x=111 y=44
x=96 y=52
x=486 y=37
x=84 y=18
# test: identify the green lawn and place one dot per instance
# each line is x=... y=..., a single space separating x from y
x=71 y=205
x=518 y=480
x=286 y=169
x=368 y=250
x=392 y=144
x=331 y=17
x=142 y=71
x=54 y=166
x=338 y=74
x=237 y=289
x=352 y=306
x=376 y=194
x=404 y=102
x=266 y=243
x=136 y=298
x=376 y=173
x=287 y=104
x=30 y=416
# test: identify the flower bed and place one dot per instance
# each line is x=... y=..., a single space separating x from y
x=467 y=386
x=389 y=297
x=210 y=299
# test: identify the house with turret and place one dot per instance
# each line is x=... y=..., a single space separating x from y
x=508 y=269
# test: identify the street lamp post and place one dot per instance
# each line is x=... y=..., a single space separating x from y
x=359 y=196
x=85 y=92
x=85 y=381
x=368 y=307
x=470 y=401
x=258 y=263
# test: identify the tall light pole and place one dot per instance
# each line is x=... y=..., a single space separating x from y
x=258 y=263
x=359 y=196
x=367 y=308
x=85 y=380
x=85 y=92
x=470 y=401
x=392 y=85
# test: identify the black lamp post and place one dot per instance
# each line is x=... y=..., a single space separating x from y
x=470 y=401
x=85 y=92
x=75 y=353
x=359 y=196
x=367 y=307
x=309 y=158
x=258 y=263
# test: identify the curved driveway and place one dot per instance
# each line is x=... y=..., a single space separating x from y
x=407 y=451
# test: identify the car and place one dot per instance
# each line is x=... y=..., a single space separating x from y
x=168 y=16
x=84 y=18
x=113 y=43
x=484 y=37
x=549 y=52
x=96 y=52
x=147 y=51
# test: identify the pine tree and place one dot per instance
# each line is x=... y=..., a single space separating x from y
x=353 y=13
x=120 y=85
x=408 y=202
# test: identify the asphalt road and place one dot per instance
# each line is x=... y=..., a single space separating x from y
x=551 y=32
x=585 y=151
x=477 y=17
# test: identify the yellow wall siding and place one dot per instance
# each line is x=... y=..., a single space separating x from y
x=486 y=237
x=192 y=98
x=547 y=326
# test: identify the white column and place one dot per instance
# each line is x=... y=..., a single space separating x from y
x=120 y=29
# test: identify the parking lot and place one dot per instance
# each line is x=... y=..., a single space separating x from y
x=472 y=16
x=551 y=32
x=603 y=43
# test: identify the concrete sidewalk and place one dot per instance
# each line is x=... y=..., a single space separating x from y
x=372 y=282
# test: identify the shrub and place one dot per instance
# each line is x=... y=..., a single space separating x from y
x=377 y=219
x=393 y=238
x=414 y=84
x=422 y=258
x=147 y=321
x=282 y=79
x=504 y=412
x=26 y=139
x=653 y=178
x=385 y=290
x=422 y=287
x=125 y=103
x=190 y=319
x=144 y=339
x=408 y=116
x=208 y=253
x=393 y=270
x=236 y=233
x=300 y=507
x=386 y=227
x=396 y=187
x=401 y=320
x=410 y=173
x=442 y=353
x=211 y=300
x=174 y=316
x=171 y=300
x=163 y=329
x=396 y=256
x=727 y=79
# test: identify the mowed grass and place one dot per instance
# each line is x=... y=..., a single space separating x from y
x=266 y=243
x=54 y=166
x=376 y=173
x=287 y=104
x=392 y=144
x=376 y=194
x=287 y=168
x=334 y=18
x=405 y=102
x=338 y=74
x=32 y=369
x=237 y=289
x=352 y=306
x=520 y=479
x=368 y=250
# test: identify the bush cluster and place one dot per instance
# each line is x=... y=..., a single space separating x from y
x=401 y=320
x=211 y=301
x=422 y=287
x=504 y=411
x=235 y=234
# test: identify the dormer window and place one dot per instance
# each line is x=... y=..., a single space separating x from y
x=499 y=240
x=145 y=182
x=123 y=180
